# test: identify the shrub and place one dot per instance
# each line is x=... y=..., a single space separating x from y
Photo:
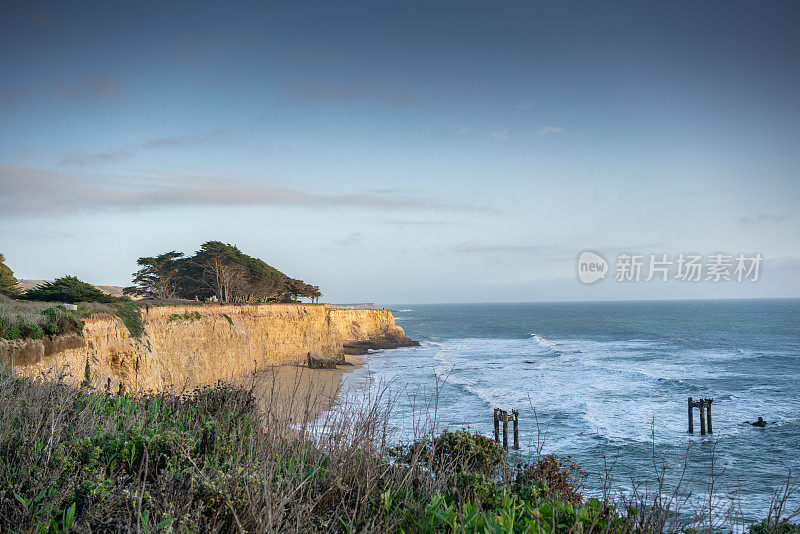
x=477 y=487
x=31 y=331
x=552 y=476
x=459 y=451
x=68 y=289
x=768 y=526
x=62 y=319
x=468 y=452
x=12 y=332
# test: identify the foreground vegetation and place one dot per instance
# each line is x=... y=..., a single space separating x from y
x=210 y=461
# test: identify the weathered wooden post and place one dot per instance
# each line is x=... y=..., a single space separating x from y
x=505 y=430
x=516 y=428
x=708 y=413
x=702 y=417
x=691 y=416
x=497 y=425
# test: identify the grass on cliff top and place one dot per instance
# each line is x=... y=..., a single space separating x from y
x=20 y=319
x=210 y=461
x=128 y=311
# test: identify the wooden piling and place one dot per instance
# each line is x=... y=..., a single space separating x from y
x=691 y=416
x=516 y=429
x=702 y=417
x=497 y=425
x=708 y=414
x=505 y=430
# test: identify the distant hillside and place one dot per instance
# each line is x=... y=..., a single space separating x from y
x=25 y=285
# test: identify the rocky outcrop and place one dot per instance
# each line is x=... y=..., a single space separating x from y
x=363 y=330
x=186 y=346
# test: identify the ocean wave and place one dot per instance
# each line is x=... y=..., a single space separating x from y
x=543 y=342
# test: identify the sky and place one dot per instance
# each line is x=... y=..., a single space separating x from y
x=405 y=152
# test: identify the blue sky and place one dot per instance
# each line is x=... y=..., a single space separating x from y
x=414 y=152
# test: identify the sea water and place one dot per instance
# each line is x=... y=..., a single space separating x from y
x=607 y=384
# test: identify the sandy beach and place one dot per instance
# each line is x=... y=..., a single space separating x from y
x=297 y=393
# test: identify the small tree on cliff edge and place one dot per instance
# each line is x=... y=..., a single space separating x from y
x=8 y=283
x=315 y=294
x=158 y=276
x=68 y=289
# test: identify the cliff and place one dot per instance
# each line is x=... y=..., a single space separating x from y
x=184 y=346
x=364 y=329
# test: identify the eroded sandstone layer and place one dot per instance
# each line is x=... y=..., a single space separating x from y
x=186 y=346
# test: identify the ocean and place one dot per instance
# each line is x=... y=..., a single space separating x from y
x=607 y=383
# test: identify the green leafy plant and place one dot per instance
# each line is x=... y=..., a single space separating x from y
x=186 y=316
x=62 y=319
x=31 y=331
x=559 y=477
x=772 y=526
x=460 y=451
x=131 y=316
x=12 y=332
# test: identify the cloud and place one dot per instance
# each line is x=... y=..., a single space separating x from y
x=81 y=87
x=525 y=106
x=417 y=223
x=764 y=217
x=356 y=91
x=461 y=131
x=785 y=263
x=352 y=239
x=9 y=96
x=181 y=140
x=81 y=157
x=547 y=130
x=36 y=192
x=86 y=86
x=500 y=134
x=38 y=234
x=477 y=247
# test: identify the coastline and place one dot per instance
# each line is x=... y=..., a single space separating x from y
x=298 y=394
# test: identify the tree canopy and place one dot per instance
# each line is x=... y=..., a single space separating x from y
x=68 y=289
x=218 y=271
x=8 y=283
x=157 y=278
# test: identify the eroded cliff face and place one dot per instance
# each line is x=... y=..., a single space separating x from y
x=186 y=346
x=365 y=329
x=361 y=325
